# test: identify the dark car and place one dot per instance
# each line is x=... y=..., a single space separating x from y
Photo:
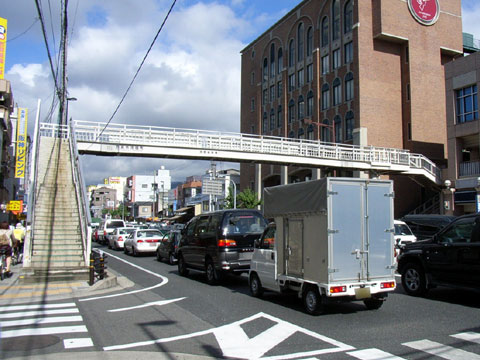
x=450 y=258
x=167 y=249
x=220 y=242
x=424 y=226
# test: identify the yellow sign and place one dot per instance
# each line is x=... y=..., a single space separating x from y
x=14 y=205
x=3 y=45
x=21 y=157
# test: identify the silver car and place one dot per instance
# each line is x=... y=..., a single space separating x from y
x=117 y=239
x=142 y=241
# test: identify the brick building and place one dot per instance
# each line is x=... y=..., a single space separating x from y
x=367 y=72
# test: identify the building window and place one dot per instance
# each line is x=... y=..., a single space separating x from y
x=301 y=78
x=291 y=82
x=348 y=17
x=326 y=130
x=325 y=31
x=467 y=104
x=337 y=120
x=301 y=107
x=279 y=89
x=300 y=41
x=310 y=41
x=291 y=53
x=310 y=135
x=272 y=93
x=407 y=55
x=337 y=61
x=408 y=91
x=265 y=70
x=325 y=65
x=265 y=97
x=349 y=87
x=272 y=60
x=252 y=78
x=310 y=103
x=337 y=91
x=301 y=133
x=309 y=73
x=291 y=111
x=144 y=186
x=252 y=104
x=280 y=61
x=279 y=116
x=348 y=52
x=291 y=134
x=336 y=20
x=272 y=119
x=349 y=123
x=264 y=122
x=325 y=96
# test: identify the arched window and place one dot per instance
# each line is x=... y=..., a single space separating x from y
x=279 y=116
x=349 y=86
x=264 y=122
x=310 y=103
x=291 y=111
x=265 y=70
x=348 y=17
x=310 y=135
x=326 y=130
x=335 y=20
x=325 y=36
x=325 y=96
x=337 y=120
x=291 y=53
x=272 y=119
x=300 y=41
x=280 y=61
x=301 y=133
x=337 y=92
x=349 y=125
x=301 y=107
x=310 y=41
x=291 y=134
x=272 y=60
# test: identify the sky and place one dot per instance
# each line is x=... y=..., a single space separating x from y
x=191 y=78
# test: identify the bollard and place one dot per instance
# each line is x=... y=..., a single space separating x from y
x=92 y=270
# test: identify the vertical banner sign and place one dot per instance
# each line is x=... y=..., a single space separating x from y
x=20 y=159
x=3 y=45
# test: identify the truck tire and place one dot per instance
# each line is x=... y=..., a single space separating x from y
x=413 y=280
x=373 y=304
x=312 y=301
x=255 y=285
x=182 y=268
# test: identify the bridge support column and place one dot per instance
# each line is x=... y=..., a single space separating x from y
x=283 y=175
x=258 y=181
x=316 y=173
x=360 y=139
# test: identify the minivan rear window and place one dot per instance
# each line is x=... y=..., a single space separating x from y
x=243 y=223
x=115 y=224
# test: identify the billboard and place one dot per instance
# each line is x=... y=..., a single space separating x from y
x=3 y=45
x=21 y=155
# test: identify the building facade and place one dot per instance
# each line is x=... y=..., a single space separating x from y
x=355 y=72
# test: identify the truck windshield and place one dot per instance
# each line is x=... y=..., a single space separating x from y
x=243 y=223
x=401 y=229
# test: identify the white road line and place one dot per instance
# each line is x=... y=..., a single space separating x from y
x=156 y=303
x=36 y=313
x=440 y=350
x=35 y=307
x=43 y=331
x=77 y=343
x=164 y=281
x=468 y=336
x=373 y=354
x=40 y=321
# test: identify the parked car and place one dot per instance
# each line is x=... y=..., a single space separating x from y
x=167 y=249
x=424 y=226
x=220 y=242
x=117 y=238
x=403 y=235
x=107 y=227
x=450 y=258
x=142 y=241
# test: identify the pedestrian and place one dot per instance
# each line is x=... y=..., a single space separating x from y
x=19 y=234
x=7 y=241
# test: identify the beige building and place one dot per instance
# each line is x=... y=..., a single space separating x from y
x=367 y=72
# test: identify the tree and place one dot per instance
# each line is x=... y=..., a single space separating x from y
x=229 y=199
x=118 y=213
x=248 y=199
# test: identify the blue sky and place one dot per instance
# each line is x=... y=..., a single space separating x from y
x=190 y=80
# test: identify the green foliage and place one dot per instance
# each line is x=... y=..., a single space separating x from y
x=118 y=213
x=247 y=199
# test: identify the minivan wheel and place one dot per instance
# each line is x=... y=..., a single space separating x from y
x=212 y=274
x=171 y=259
x=313 y=301
x=256 y=288
x=159 y=257
x=182 y=268
x=413 y=279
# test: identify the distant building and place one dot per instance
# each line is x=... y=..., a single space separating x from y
x=102 y=198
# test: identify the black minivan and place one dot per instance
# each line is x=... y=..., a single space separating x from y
x=220 y=242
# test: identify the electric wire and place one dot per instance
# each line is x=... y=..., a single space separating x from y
x=24 y=32
x=53 y=33
x=138 y=70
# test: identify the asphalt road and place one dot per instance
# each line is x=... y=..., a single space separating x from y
x=173 y=314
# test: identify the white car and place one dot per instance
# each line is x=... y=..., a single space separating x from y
x=118 y=237
x=142 y=241
x=403 y=235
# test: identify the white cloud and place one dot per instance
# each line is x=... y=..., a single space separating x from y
x=28 y=74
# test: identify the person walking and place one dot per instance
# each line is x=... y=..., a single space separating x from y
x=7 y=241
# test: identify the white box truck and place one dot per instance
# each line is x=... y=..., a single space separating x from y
x=331 y=240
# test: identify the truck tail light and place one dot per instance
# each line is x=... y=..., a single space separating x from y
x=337 y=289
x=226 y=243
x=387 y=285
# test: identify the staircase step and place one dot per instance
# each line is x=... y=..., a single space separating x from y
x=55 y=264
x=66 y=254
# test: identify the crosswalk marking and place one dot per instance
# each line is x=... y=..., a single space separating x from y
x=36 y=307
x=468 y=336
x=440 y=350
x=373 y=354
x=40 y=321
x=37 y=313
x=43 y=331
x=77 y=343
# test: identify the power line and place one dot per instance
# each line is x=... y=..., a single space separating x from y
x=23 y=33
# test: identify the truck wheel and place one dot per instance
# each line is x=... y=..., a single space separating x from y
x=213 y=275
x=313 y=301
x=182 y=268
x=373 y=304
x=413 y=280
x=256 y=288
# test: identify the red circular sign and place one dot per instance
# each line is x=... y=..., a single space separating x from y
x=424 y=11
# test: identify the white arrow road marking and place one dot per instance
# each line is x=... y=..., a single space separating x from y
x=155 y=303
x=234 y=342
x=164 y=281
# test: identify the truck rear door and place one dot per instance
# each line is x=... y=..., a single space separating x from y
x=294 y=247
